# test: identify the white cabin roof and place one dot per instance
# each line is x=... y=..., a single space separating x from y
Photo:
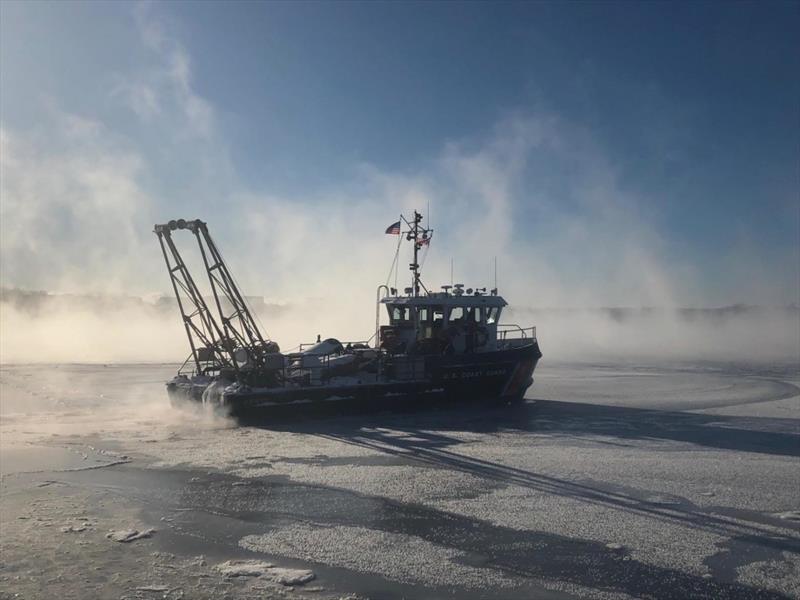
x=442 y=299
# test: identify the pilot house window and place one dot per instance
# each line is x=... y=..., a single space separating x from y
x=400 y=314
x=456 y=314
x=430 y=320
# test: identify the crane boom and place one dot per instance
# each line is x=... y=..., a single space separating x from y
x=228 y=340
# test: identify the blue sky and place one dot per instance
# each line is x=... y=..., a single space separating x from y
x=621 y=152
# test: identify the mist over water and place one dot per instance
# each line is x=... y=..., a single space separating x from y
x=43 y=403
x=59 y=329
x=582 y=244
x=536 y=190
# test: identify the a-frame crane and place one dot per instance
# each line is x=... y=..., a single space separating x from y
x=226 y=336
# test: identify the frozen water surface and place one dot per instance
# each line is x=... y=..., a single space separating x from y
x=396 y=556
x=613 y=481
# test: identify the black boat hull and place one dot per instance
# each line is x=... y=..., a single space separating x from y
x=502 y=376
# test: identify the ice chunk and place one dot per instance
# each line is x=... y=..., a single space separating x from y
x=789 y=515
x=129 y=535
x=74 y=528
x=243 y=568
x=259 y=568
x=289 y=576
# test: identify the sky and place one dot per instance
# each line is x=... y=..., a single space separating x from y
x=625 y=154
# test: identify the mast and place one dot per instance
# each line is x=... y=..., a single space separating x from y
x=415 y=265
x=419 y=236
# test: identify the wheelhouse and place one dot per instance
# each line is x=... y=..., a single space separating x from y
x=442 y=322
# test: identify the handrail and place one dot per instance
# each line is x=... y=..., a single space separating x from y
x=376 y=335
x=514 y=325
x=504 y=329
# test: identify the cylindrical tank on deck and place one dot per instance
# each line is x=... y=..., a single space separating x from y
x=324 y=348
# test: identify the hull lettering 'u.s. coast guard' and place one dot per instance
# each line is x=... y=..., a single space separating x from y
x=447 y=345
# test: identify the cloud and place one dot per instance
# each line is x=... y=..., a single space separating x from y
x=584 y=244
x=164 y=87
x=538 y=192
x=71 y=209
x=141 y=98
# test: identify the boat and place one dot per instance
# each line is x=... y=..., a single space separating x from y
x=427 y=346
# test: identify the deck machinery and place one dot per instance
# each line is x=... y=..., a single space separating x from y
x=436 y=345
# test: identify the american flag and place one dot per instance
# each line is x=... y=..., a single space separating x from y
x=423 y=242
x=393 y=229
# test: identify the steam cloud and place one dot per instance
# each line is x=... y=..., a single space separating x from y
x=79 y=201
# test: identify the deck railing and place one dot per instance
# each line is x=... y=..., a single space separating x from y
x=512 y=331
x=311 y=370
